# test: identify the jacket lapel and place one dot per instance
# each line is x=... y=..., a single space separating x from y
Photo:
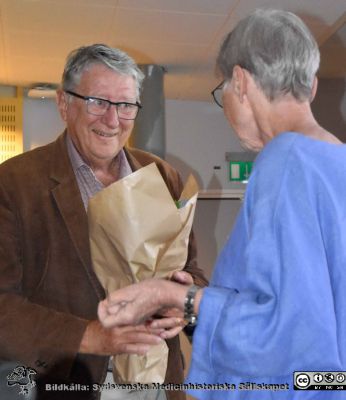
x=69 y=202
x=134 y=163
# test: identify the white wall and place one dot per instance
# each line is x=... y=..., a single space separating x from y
x=197 y=138
x=41 y=122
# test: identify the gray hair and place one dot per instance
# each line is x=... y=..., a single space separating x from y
x=84 y=57
x=278 y=50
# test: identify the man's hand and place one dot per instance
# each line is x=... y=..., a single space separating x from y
x=126 y=339
x=182 y=277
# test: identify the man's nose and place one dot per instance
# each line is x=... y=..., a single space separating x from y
x=111 y=118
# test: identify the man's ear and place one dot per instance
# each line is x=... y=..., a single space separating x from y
x=62 y=102
x=314 y=89
x=239 y=82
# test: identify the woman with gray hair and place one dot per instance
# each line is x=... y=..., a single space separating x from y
x=276 y=301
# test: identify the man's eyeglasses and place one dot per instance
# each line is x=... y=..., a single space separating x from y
x=217 y=94
x=99 y=107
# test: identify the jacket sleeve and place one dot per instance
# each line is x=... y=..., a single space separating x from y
x=30 y=333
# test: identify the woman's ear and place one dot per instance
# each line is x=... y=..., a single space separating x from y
x=314 y=89
x=239 y=82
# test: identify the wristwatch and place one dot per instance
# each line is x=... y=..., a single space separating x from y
x=189 y=315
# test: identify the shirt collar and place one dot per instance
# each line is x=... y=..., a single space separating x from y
x=75 y=157
x=78 y=162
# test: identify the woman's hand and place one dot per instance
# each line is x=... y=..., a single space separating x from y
x=171 y=320
x=136 y=303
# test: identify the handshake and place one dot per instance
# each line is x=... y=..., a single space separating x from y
x=157 y=303
x=157 y=310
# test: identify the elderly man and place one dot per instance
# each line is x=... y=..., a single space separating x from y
x=276 y=303
x=49 y=292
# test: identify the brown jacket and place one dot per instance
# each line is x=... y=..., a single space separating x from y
x=48 y=290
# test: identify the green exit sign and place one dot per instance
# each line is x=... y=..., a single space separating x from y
x=240 y=170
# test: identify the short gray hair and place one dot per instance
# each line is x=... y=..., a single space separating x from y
x=278 y=50
x=84 y=57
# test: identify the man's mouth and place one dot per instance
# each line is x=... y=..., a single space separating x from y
x=104 y=134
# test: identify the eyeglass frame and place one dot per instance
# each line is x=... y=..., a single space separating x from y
x=218 y=87
x=110 y=103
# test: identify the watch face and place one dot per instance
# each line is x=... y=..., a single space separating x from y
x=193 y=320
x=189 y=315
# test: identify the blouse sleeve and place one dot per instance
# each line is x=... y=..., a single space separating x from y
x=270 y=308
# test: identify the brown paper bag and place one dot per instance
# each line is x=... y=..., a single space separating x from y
x=137 y=232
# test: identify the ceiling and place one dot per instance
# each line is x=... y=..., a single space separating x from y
x=181 y=35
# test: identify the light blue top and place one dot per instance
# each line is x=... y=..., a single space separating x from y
x=277 y=299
